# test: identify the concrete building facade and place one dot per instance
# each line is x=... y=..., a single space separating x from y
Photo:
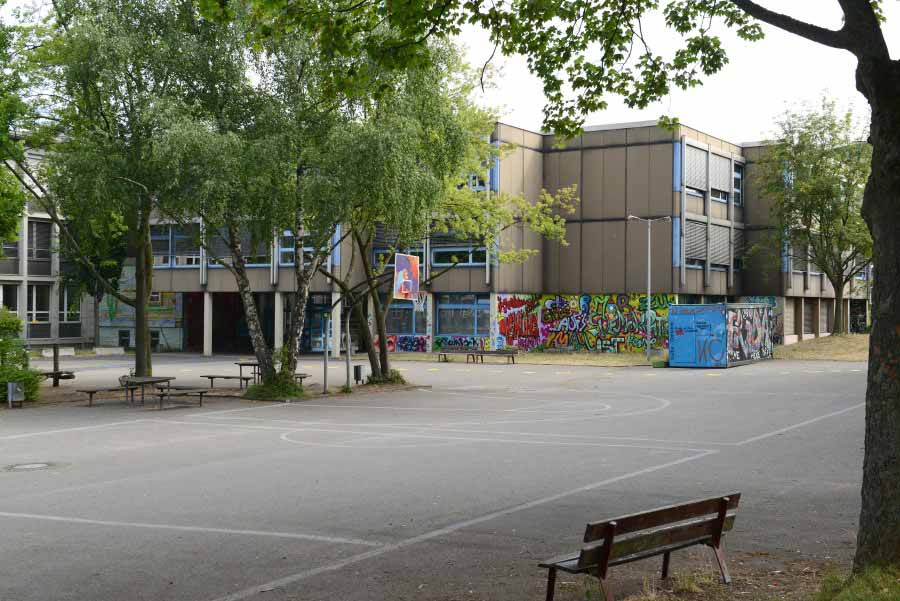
x=589 y=294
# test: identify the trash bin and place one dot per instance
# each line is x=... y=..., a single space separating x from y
x=14 y=393
x=359 y=373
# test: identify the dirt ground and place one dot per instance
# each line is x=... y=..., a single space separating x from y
x=846 y=347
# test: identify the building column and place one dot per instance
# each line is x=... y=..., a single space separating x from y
x=23 y=272
x=207 y=323
x=337 y=326
x=279 y=320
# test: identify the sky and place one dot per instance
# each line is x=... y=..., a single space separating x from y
x=740 y=103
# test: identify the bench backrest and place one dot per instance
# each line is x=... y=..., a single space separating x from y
x=703 y=520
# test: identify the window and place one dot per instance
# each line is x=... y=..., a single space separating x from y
x=155 y=297
x=738 y=185
x=695 y=192
x=462 y=256
x=718 y=267
x=39 y=240
x=186 y=245
x=695 y=263
x=719 y=196
x=39 y=303
x=69 y=304
x=286 y=251
x=476 y=182
x=386 y=255
x=463 y=315
x=11 y=249
x=161 y=241
x=9 y=296
x=402 y=318
x=738 y=264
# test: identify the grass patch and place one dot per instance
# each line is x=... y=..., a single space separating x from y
x=875 y=584
x=843 y=347
x=393 y=377
x=276 y=390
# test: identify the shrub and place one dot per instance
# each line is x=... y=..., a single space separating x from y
x=393 y=377
x=875 y=584
x=279 y=388
x=14 y=358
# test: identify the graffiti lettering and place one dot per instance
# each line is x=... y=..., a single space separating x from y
x=608 y=323
x=749 y=333
x=480 y=343
x=405 y=344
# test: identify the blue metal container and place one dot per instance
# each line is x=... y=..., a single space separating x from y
x=720 y=335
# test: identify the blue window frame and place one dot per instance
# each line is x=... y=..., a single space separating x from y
x=463 y=315
x=402 y=319
x=161 y=242
x=738 y=185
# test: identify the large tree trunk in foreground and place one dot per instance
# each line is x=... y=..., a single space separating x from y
x=879 y=522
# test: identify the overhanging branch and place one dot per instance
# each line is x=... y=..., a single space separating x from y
x=820 y=35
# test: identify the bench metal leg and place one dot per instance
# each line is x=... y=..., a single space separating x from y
x=551 y=583
x=665 y=568
x=723 y=568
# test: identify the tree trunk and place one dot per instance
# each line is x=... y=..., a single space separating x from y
x=837 y=324
x=878 y=541
x=365 y=336
x=260 y=349
x=143 y=276
x=381 y=328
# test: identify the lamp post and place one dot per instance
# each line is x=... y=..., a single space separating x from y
x=649 y=221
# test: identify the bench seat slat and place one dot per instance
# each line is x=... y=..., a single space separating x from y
x=659 y=517
x=656 y=539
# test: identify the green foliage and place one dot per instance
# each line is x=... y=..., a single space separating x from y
x=14 y=358
x=280 y=388
x=815 y=172
x=874 y=584
x=393 y=377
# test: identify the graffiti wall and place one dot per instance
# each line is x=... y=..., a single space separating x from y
x=398 y=343
x=607 y=323
x=165 y=310
x=777 y=304
x=749 y=333
x=481 y=343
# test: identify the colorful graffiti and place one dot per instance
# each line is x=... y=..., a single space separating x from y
x=397 y=343
x=480 y=343
x=749 y=333
x=777 y=304
x=609 y=323
x=164 y=310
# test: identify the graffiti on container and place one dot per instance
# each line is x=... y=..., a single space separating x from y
x=400 y=343
x=777 y=304
x=479 y=343
x=608 y=323
x=749 y=333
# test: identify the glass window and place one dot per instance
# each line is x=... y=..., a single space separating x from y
x=463 y=315
x=738 y=185
x=69 y=304
x=186 y=245
x=695 y=263
x=719 y=196
x=161 y=241
x=738 y=264
x=39 y=240
x=11 y=249
x=38 y=303
x=476 y=255
x=286 y=251
x=695 y=191
x=402 y=318
x=9 y=296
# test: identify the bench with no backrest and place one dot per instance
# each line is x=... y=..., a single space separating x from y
x=164 y=392
x=301 y=377
x=452 y=349
x=244 y=380
x=649 y=534
x=509 y=354
x=92 y=391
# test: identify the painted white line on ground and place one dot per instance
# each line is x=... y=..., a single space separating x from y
x=389 y=548
x=76 y=429
x=296 y=535
x=800 y=425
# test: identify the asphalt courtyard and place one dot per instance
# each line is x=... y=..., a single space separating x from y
x=450 y=492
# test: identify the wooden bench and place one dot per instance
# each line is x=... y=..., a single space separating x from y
x=452 y=349
x=244 y=380
x=300 y=377
x=509 y=354
x=92 y=391
x=641 y=535
x=180 y=391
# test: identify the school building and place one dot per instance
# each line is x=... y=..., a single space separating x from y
x=587 y=295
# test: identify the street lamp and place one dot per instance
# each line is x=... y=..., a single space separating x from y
x=649 y=221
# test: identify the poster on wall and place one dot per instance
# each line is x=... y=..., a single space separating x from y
x=406 y=276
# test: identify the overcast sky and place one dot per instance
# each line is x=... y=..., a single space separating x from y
x=738 y=104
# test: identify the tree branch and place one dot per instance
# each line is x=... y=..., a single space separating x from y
x=820 y=35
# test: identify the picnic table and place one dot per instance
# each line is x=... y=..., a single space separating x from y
x=144 y=381
x=254 y=367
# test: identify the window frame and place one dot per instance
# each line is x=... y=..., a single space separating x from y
x=64 y=313
x=482 y=302
x=15 y=287
x=407 y=305
x=695 y=263
x=738 y=188
x=720 y=196
x=469 y=250
x=31 y=311
x=31 y=253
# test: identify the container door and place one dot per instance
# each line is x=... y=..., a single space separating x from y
x=682 y=339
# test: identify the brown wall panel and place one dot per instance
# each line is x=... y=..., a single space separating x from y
x=614 y=160
x=638 y=191
x=592 y=200
x=570 y=174
x=613 y=258
x=592 y=257
x=550 y=262
x=661 y=183
x=570 y=261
